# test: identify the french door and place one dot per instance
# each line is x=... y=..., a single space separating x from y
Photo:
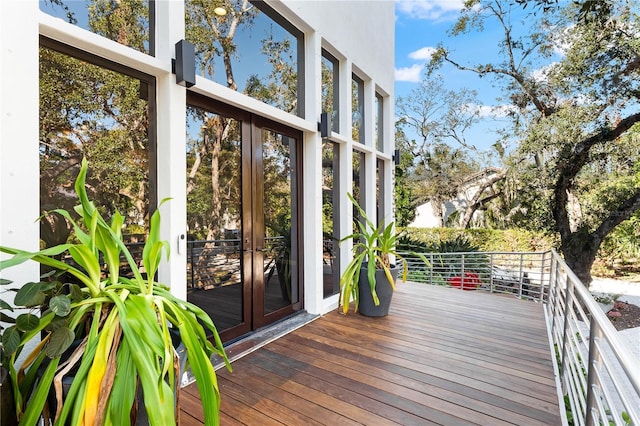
x=243 y=215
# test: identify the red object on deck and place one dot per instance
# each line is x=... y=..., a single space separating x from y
x=468 y=281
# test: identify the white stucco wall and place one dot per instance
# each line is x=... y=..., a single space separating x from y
x=19 y=161
x=362 y=30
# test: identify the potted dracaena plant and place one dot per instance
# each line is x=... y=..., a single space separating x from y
x=369 y=278
x=122 y=328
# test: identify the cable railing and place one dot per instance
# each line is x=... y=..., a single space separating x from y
x=523 y=274
x=598 y=376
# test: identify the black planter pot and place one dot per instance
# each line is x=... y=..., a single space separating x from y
x=366 y=306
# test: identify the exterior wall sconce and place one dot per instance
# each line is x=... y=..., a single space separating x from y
x=185 y=64
x=396 y=157
x=325 y=125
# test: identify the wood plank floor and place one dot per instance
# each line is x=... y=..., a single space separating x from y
x=442 y=356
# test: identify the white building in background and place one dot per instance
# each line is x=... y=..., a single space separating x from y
x=426 y=218
x=340 y=50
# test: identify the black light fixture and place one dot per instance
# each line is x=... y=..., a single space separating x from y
x=185 y=64
x=396 y=157
x=325 y=125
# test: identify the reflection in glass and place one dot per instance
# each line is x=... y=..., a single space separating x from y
x=357 y=112
x=214 y=249
x=358 y=188
x=379 y=122
x=126 y=22
x=247 y=50
x=280 y=222
x=330 y=229
x=103 y=115
x=380 y=207
x=330 y=91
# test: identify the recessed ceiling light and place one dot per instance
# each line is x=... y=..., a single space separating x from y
x=220 y=11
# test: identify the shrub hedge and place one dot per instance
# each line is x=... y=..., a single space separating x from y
x=495 y=240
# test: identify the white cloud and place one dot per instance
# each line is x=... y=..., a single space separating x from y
x=562 y=40
x=425 y=53
x=487 y=111
x=410 y=74
x=500 y=111
x=430 y=9
x=542 y=74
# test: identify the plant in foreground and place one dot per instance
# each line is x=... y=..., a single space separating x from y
x=122 y=327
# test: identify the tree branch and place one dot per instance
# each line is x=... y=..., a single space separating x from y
x=619 y=215
x=478 y=198
x=572 y=162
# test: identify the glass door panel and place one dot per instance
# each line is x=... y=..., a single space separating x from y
x=278 y=164
x=242 y=217
x=216 y=256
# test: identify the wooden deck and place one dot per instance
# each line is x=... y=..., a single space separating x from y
x=442 y=356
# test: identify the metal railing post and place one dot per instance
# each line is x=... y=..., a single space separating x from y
x=521 y=276
x=190 y=260
x=553 y=294
x=491 y=273
x=431 y=269
x=542 y=277
x=565 y=327
x=595 y=334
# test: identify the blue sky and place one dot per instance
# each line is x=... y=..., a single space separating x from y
x=420 y=26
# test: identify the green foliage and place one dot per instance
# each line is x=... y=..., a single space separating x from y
x=405 y=200
x=620 y=251
x=576 y=128
x=121 y=323
x=480 y=239
x=125 y=22
x=280 y=88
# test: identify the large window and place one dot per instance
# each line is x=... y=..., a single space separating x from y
x=330 y=89
x=93 y=109
x=357 y=111
x=380 y=188
x=379 y=123
x=359 y=187
x=127 y=22
x=247 y=47
x=330 y=219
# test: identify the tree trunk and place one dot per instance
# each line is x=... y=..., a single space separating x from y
x=579 y=252
x=481 y=197
x=216 y=205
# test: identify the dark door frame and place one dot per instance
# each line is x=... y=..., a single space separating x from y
x=253 y=311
